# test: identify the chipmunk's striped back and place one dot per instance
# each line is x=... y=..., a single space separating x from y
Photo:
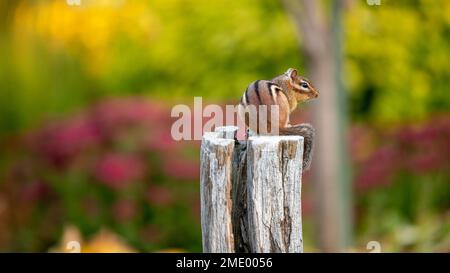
x=267 y=93
x=261 y=92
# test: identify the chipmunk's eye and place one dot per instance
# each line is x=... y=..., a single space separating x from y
x=305 y=85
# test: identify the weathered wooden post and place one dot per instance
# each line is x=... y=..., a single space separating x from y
x=215 y=193
x=251 y=193
x=273 y=191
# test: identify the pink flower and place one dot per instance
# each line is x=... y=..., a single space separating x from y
x=307 y=206
x=379 y=168
x=181 y=168
x=425 y=161
x=124 y=210
x=158 y=195
x=151 y=233
x=115 y=114
x=161 y=141
x=61 y=142
x=34 y=192
x=119 y=170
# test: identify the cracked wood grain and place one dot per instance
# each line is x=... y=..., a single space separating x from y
x=273 y=191
x=215 y=193
x=250 y=193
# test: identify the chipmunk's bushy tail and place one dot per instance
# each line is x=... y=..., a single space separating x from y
x=307 y=132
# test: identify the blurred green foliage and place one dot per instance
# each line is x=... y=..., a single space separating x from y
x=397 y=60
x=56 y=57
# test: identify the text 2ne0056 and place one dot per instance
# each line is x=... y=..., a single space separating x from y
x=246 y=262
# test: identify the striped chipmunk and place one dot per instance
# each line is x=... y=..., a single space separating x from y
x=278 y=98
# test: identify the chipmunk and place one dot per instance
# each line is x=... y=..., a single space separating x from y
x=286 y=91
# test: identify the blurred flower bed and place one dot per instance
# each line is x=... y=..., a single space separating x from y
x=402 y=185
x=115 y=166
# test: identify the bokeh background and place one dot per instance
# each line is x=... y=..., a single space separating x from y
x=85 y=98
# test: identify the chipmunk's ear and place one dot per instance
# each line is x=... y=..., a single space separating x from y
x=292 y=74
